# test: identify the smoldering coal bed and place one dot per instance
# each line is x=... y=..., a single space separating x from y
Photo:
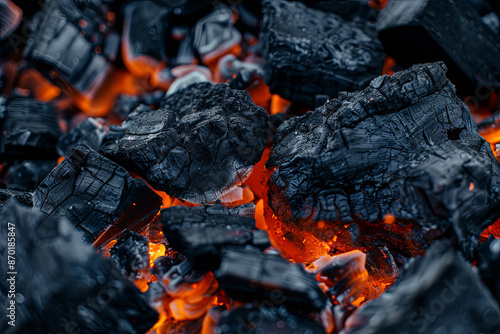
x=275 y=166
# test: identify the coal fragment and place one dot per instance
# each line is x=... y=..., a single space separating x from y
x=202 y=143
x=124 y=105
x=444 y=30
x=249 y=275
x=436 y=293
x=320 y=53
x=488 y=264
x=131 y=254
x=96 y=195
x=27 y=175
x=61 y=284
x=10 y=18
x=201 y=232
x=21 y=197
x=91 y=132
x=375 y=155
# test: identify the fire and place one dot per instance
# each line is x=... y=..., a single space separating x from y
x=155 y=251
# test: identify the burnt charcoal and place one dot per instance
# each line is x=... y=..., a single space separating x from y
x=249 y=275
x=72 y=44
x=437 y=293
x=347 y=9
x=124 y=105
x=406 y=146
x=381 y=266
x=267 y=320
x=27 y=175
x=201 y=232
x=96 y=195
x=61 y=284
x=488 y=264
x=91 y=132
x=131 y=253
x=320 y=53
x=201 y=145
x=29 y=128
x=21 y=197
x=443 y=30
x=10 y=18
x=186 y=81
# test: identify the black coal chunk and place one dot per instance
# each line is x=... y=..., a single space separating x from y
x=21 y=197
x=124 y=105
x=249 y=275
x=201 y=232
x=91 y=132
x=131 y=253
x=61 y=284
x=199 y=146
x=27 y=175
x=488 y=264
x=72 y=43
x=95 y=195
x=437 y=293
x=10 y=19
x=405 y=146
x=443 y=30
x=308 y=52
x=253 y=320
x=29 y=128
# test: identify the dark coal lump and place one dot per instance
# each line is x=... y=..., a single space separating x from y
x=131 y=254
x=95 y=195
x=308 y=52
x=21 y=197
x=405 y=146
x=27 y=175
x=62 y=285
x=91 y=132
x=202 y=143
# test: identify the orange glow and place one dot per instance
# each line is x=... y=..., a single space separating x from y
x=389 y=219
x=494 y=230
x=260 y=220
x=255 y=179
x=212 y=58
x=378 y=4
x=238 y=196
x=60 y=159
x=41 y=88
x=471 y=186
x=155 y=251
x=278 y=104
x=388 y=66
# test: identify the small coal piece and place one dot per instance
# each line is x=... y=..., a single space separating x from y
x=488 y=264
x=201 y=232
x=443 y=30
x=308 y=52
x=202 y=143
x=21 y=197
x=29 y=129
x=62 y=285
x=437 y=293
x=96 y=195
x=91 y=132
x=27 y=175
x=131 y=254
x=124 y=105
x=249 y=275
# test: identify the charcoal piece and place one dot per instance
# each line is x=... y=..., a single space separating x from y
x=96 y=195
x=381 y=266
x=437 y=293
x=443 y=30
x=27 y=175
x=267 y=320
x=131 y=253
x=124 y=105
x=320 y=53
x=488 y=264
x=29 y=128
x=91 y=132
x=10 y=18
x=21 y=197
x=249 y=275
x=349 y=10
x=72 y=44
x=375 y=153
x=186 y=81
x=201 y=145
x=201 y=232
x=62 y=285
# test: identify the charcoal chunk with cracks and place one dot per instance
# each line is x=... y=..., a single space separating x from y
x=488 y=264
x=61 y=284
x=26 y=175
x=199 y=146
x=373 y=154
x=443 y=30
x=96 y=195
x=249 y=275
x=21 y=197
x=201 y=233
x=131 y=254
x=437 y=293
x=91 y=132
x=320 y=53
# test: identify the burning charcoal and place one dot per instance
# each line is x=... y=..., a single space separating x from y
x=71 y=43
x=319 y=53
x=267 y=320
x=488 y=263
x=249 y=275
x=403 y=155
x=125 y=104
x=21 y=197
x=186 y=81
x=201 y=232
x=202 y=145
x=10 y=18
x=61 y=284
x=29 y=127
x=131 y=255
x=445 y=30
x=91 y=132
x=437 y=293
x=96 y=195
x=28 y=174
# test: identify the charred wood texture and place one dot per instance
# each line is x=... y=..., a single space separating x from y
x=131 y=255
x=249 y=275
x=405 y=146
x=96 y=195
x=62 y=285
x=443 y=30
x=201 y=232
x=21 y=197
x=27 y=175
x=91 y=132
x=199 y=146
x=439 y=292
x=29 y=128
x=319 y=53
x=10 y=19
